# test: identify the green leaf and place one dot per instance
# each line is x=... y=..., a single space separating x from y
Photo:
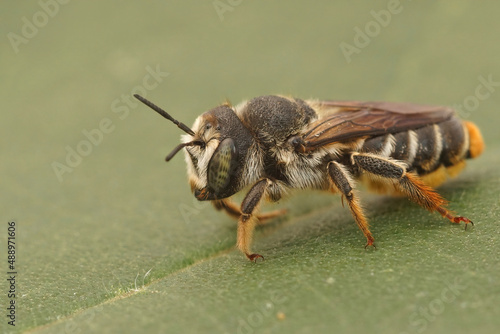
x=110 y=239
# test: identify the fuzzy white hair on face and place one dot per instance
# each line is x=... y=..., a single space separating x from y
x=198 y=174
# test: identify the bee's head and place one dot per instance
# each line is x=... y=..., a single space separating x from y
x=216 y=150
x=215 y=167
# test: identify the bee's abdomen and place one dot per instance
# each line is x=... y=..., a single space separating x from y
x=428 y=148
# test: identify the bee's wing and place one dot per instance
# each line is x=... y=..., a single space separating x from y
x=346 y=120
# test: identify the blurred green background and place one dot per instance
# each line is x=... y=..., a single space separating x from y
x=114 y=241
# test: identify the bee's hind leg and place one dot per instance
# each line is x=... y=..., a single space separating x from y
x=408 y=183
x=343 y=183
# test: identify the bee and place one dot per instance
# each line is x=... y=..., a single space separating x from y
x=275 y=144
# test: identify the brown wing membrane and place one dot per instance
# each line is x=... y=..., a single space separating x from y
x=351 y=119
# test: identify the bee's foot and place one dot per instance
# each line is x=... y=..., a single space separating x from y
x=370 y=242
x=254 y=257
x=459 y=219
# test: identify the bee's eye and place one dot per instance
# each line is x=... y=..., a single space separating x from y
x=222 y=166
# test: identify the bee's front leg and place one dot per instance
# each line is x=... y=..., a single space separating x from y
x=229 y=206
x=247 y=221
x=233 y=210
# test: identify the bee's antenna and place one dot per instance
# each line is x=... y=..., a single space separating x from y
x=162 y=112
x=181 y=146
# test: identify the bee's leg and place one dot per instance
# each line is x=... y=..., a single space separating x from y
x=247 y=221
x=229 y=206
x=234 y=211
x=264 y=217
x=406 y=182
x=343 y=183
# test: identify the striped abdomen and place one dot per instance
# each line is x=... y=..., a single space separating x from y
x=427 y=149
